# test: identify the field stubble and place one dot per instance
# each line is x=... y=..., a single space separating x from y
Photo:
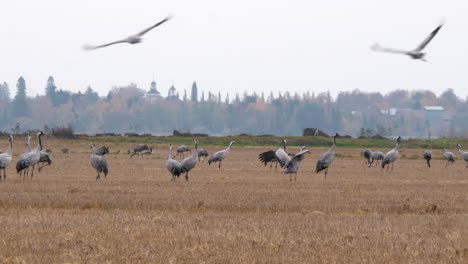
x=244 y=213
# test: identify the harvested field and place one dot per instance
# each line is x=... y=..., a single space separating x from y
x=242 y=214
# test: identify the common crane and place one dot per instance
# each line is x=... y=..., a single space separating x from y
x=45 y=158
x=463 y=155
x=202 y=153
x=134 y=39
x=415 y=53
x=99 y=163
x=31 y=158
x=141 y=147
x=367 y=153
x=173 y=166
x=22 y=165
x=428 y=156
x=220 y=155
x=181 y=149
x=448 y=156
x=270 y=156
x=5 y=158
x=189 y=163
x=103 y=150
x=326 y=159
x=375 y=156
x=65 y=151
x=291 y=164
x=392 y=155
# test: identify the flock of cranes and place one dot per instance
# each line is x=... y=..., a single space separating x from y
x=289 y=162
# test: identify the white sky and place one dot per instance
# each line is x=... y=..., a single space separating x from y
x=233 y=46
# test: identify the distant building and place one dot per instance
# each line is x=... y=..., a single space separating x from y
x=172 y=94
x=152 y=95
x=434 y=115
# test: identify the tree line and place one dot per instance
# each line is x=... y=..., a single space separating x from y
x=126 y=109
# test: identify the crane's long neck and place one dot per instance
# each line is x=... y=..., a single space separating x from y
x=230 y=145
x=195 y=153
x=459 y=148
x=10 y=148
x=169 y=156
x=334 y=143
x=93 y=151
x=397 y=146
x=39 y=142
x=28 y=147
x=284 y=145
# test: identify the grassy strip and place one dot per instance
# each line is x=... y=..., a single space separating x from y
x=275 y=141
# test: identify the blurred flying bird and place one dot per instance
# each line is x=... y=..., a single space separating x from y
x=415 y=53
x=134 y=39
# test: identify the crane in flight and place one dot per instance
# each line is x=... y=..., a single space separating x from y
x=416 y=53
x=133 y=39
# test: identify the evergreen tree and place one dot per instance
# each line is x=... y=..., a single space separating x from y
x=51 y=89
x=194 y=92
x=57 y=97
x=20 y=105
x=4 y=92
x=185 y=95
x=202 y=97
x=91 y=95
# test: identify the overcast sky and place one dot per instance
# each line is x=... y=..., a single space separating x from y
x=233 y=46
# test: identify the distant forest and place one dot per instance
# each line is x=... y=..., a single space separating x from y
x=131 y=109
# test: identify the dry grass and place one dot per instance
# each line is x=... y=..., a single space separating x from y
x=242 y=214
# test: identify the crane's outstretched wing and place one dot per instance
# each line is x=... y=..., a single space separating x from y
x=89 y=47
x=377 y=47
x=429 y=38
x=299 y=156
x=153 y=26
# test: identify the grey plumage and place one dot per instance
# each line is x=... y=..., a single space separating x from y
x=134 y=39
x=173 y=166
x=428 y=156
x=22 y=165
x=99 y=163
x=139 y=148
x=202 y=153
x=366 y=154
x=293 y=164
x=270 y=156
x=181 y=149
x=375 y=156
x=189 y=163
x=45 y=158
x=31 y=158
x=448 y=156
x=220 y=155
x=5 y=158
x=392 y=155
x=415 y=53
x=326 y=159
x=103 y=150
x=65 y=151
x=463 y=155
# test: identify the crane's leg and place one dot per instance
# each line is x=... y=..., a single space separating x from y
x=219 y=165
x=295 y=176
x=290 y=177
x=377 y=163
x=186 y=176
x=98 y=176
x=392 y=166
x=325 y=174
x=32 y=171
